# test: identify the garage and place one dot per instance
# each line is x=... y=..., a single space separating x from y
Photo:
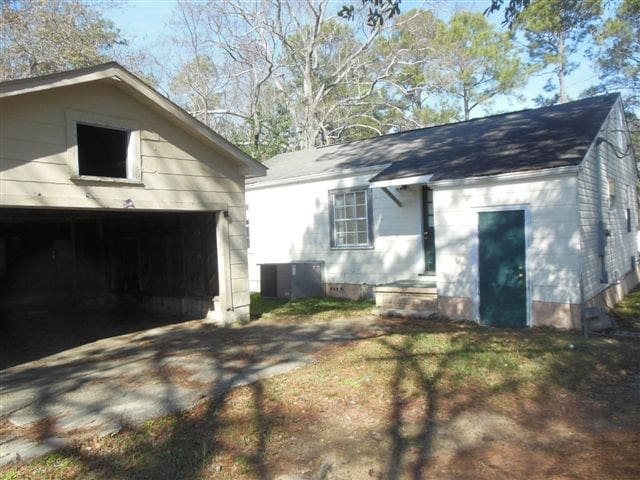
x=120 y=266
x=118 y=212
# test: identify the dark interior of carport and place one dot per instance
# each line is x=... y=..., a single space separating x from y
x=68 y=277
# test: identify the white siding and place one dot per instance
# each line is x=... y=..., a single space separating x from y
x=553 y=251
x=601 y=164
x=291 y=222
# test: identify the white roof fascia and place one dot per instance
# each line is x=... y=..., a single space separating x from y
x=396 y=182
x=23 y=86
x=509 y=177
x=125 y=80
x=316 y=177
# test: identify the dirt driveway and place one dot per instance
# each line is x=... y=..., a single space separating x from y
x=98 y=388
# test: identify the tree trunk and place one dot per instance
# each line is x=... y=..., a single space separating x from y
x=465 y=101
x=561 y=71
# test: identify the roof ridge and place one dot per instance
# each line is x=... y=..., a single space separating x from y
x=460 y=122
x=546 y=137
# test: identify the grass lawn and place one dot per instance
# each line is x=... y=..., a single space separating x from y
x=312 y=308
x=418 y=399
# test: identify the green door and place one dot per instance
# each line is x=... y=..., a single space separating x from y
x=501 y=265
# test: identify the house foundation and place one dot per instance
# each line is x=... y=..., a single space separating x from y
x=350 y=291
x=457 y=308
x=565 y=316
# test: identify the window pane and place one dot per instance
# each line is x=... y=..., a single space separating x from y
x=349 y=199
x=362 y=238
x=339 y=201
x=351 y=238
x=339 y=213
x=360 y=198
x=361 y=211
x=350 y=211
x=362 y=225
x=340 y=227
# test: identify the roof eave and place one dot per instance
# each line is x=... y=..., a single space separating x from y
x=316 y=177
x=508 y=176
x=396 y=182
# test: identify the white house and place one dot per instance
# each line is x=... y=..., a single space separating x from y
x=520 y=219
x=110 y=193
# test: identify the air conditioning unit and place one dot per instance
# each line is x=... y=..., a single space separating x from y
x=291 y=280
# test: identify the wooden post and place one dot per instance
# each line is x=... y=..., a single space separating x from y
x=74 y=263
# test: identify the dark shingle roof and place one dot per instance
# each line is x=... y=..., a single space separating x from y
x=541 y=138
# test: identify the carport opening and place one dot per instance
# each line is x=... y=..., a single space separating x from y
x=72 y=277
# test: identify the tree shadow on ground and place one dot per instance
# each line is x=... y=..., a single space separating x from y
x=190 y=441
x=431 y=385
x=581 y=389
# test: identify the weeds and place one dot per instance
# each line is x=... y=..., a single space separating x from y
x=627 y=312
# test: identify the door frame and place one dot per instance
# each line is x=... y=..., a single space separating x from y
x=422 y=217
x=475 y=254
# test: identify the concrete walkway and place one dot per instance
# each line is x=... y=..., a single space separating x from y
x=97 y=388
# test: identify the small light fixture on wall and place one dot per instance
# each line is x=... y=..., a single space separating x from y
x=612 y=191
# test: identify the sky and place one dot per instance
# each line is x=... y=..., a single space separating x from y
x=145 y=24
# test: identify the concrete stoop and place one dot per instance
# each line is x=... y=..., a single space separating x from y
x=407 y=298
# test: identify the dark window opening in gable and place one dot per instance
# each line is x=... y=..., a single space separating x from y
x=102 y=152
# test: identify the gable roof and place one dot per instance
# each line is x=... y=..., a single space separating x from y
x=116 y=75
x=536 y=139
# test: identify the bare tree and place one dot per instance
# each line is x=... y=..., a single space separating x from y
x=231 y=58
x=289 y=57
x=328 y=63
